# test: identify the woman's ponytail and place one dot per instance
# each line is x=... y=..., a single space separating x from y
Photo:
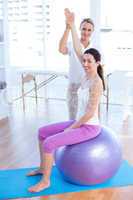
x=101 y=74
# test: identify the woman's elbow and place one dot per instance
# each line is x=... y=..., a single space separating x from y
x=79 y=55
x=62 y=50
x=90 y=114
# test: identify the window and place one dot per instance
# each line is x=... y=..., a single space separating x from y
x=35 y=28
x=26 y=33
x=117 y=34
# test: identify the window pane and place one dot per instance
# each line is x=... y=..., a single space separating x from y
x=35 y=28
x=26 y=33
x=117 y=34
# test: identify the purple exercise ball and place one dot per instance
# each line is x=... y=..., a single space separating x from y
x=91 y=162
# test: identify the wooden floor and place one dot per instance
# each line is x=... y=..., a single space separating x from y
x=19 y=147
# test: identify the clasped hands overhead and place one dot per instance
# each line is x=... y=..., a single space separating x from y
x=69 y=17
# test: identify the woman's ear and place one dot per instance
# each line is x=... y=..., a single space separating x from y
x=98 y=63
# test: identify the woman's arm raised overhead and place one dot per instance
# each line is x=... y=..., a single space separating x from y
x=76 y=42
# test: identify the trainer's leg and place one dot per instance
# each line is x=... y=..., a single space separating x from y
x=72 y=100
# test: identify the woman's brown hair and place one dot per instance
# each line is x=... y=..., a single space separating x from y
x=97 y=56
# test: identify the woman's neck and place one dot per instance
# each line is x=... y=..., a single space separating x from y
x=91 y=76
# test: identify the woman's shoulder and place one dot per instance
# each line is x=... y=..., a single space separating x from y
x=97 y=83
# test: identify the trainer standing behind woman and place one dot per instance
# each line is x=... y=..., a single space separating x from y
x=76 y=71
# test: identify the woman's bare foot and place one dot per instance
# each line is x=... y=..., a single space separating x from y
x=43 y=184
x=35 y=172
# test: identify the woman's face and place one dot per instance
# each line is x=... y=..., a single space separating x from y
x=89 y=63
x=86 y=30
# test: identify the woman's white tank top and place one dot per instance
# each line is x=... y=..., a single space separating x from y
x=83 y=100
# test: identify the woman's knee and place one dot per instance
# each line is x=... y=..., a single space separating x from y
x=48 y=146
x=42 y=133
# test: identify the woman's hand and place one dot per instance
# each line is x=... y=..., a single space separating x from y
x=69 y=17
x=67 y=129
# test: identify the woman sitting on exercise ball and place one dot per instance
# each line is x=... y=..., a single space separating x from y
x=86 y=126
